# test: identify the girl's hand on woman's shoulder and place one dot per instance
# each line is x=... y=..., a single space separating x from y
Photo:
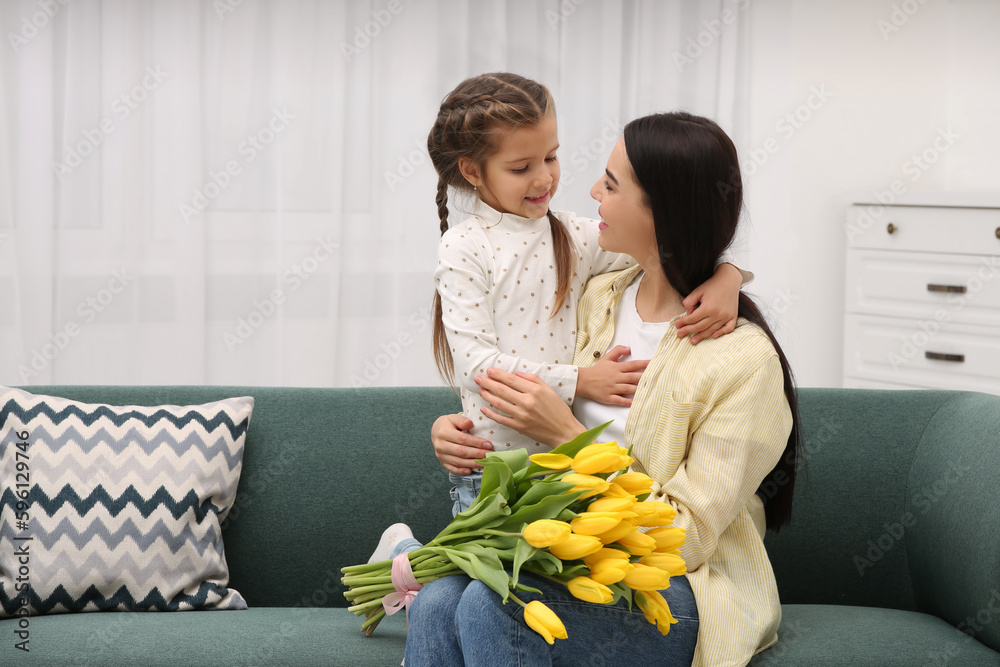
x=712 y=307
x=526 y=404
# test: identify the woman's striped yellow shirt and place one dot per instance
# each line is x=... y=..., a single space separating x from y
x=707 y=422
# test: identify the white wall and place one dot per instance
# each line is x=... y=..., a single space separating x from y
x=896 y=74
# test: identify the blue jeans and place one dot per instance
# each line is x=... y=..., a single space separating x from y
x=459 y=621
x=465 y=491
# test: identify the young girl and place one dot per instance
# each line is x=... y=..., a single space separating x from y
x=509 y=277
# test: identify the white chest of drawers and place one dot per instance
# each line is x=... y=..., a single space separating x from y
x=922 y=297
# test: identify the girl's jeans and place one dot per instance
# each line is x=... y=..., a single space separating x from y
x=458 y=621
x=464 y=493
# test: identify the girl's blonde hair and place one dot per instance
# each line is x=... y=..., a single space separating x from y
x=471 y=119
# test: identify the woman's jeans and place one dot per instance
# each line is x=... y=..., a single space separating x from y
x=459 y=621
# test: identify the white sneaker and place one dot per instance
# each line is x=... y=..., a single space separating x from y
x=392 y=536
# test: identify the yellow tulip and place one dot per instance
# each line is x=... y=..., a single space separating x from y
x=552 y=461
x=616 y=491
x=595 y=523
x=618 y=532
x=576 y=546
x=638 y=543
x=610 y=570
x=605 y=554
x=654 y=513
x=584 y=482
x=646 y=578
x=655 y=609
x=668 y=538
x=672 y=564
x=601 y=457
x=588 y=590
x=546 y=532
x=635 y=483
x=611 y=505
x=544 y=621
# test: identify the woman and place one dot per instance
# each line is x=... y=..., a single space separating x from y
x=710 y=423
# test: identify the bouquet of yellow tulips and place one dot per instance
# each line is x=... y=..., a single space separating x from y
x=557 y=515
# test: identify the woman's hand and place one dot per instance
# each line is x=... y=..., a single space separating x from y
x=610 y=381
x=526 y=404
x=717 y=301
x=458 y=451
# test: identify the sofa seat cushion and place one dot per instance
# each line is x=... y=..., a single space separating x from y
x=844 y=636
x=257 y=636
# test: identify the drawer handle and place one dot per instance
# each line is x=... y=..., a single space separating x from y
x=997 y=232
x=940 y=356
x=891 y=228
x=957 y=289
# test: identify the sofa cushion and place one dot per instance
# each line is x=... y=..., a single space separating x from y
x=843 y=636
x=847 y=542
x=953 y=545
x=116 y=507
x=299 y=637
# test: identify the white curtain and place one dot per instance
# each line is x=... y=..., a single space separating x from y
x=238 y=192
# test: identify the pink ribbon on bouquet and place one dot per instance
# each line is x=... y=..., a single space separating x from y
x=406 y=586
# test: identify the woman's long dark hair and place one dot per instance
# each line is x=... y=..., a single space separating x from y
x=689 y=172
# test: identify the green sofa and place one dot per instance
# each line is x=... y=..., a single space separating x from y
x=894 y=546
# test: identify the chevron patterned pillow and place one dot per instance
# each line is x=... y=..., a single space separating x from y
x=116 y=508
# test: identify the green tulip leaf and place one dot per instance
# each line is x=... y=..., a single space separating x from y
x=620 y=591
x=539 y=490
x=496 y=476
x=490 y=573
x=545 y=508
x=490 y=513
x=522 y=552
x=576 y=569
x=566 y=515
x=525 y=588
x=549 y=567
